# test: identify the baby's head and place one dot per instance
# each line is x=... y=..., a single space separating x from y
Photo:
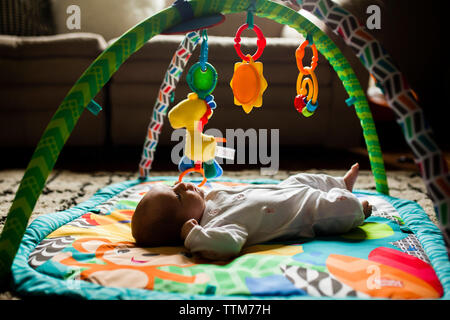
x=161 y=213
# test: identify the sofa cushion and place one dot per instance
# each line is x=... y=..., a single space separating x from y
x=37 y=73
x=26 y=18
x=25 y=112
x=76 y=44
x=57 y=59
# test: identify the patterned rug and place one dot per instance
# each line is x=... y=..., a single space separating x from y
x=65 y=189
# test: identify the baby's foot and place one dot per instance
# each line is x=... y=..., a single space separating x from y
x=367 y=208
x=351 y=176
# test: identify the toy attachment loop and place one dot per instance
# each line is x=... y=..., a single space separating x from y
x=261 y=42
x=204 y=50
x=300 y=53
x=195 y=169
x=251 y=9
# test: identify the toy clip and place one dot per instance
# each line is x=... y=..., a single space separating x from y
x=300 y=53
x=94 y=107
x=204 y=50
x=350 y=101
x=251 y=9
x=261 y=42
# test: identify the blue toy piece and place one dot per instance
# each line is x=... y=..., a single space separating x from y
x=311 y=107
x=209 y=99
x=211 y=168
x=185 y=164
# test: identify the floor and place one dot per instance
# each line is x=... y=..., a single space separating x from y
x=127 y=159
x=396 y=153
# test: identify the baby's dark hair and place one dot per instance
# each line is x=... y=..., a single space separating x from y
x=154 y=226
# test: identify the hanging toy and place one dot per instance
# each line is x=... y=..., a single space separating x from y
x=248 y=82
x=307 y=87
x=193 y=114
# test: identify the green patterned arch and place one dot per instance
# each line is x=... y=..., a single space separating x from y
x=102 y=69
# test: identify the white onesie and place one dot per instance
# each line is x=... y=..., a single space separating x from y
x=303 y=205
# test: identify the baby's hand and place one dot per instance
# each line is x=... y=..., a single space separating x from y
x=187 y=227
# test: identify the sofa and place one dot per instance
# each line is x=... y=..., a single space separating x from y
x=38 y=71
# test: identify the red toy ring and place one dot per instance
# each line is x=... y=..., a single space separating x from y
x=199 y=170
x=261 y=43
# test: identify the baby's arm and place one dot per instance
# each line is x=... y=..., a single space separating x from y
x=219 y=243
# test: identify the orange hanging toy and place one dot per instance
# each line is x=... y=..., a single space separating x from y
x=248 y=82
x=307 y=87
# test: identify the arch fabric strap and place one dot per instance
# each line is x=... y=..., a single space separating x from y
x=168 y=86
x=102 y=69
x=401 y=100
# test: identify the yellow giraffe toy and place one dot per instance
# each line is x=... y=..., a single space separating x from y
x=192 y=114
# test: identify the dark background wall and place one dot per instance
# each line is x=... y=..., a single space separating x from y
x=417 y=36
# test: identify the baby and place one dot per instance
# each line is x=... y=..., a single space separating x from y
x=220 y=223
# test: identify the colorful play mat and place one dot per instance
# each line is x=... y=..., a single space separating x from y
x=88 y=252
